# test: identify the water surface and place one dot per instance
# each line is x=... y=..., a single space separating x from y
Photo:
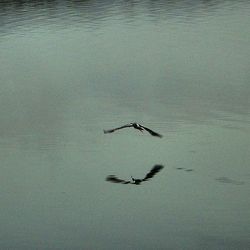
x=71 y=69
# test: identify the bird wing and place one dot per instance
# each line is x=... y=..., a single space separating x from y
x=151 y=131
x=153 y=171
x=114 y=129
x=113 y=178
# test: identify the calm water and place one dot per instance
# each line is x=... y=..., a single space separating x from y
x=69 y=69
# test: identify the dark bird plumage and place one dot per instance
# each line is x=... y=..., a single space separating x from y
x=133 y=125
x=150 y=174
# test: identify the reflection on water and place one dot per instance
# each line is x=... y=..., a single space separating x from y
x=149 y=175
x=229 y=181
x=70 y=69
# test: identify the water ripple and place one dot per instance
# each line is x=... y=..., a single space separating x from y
x=16 y=15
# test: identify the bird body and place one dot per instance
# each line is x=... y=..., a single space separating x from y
x=135 y=126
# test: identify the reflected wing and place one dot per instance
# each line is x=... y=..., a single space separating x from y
x=153 y=171
x=114 y=179
x=114 y=129
x=153 y=133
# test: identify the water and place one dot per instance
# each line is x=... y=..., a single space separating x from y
x=70 y=69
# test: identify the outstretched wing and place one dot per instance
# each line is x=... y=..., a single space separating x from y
x=113 y=178
x=153 y=171
x=153 y=133
x=114 y=129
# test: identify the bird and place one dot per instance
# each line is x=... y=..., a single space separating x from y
x=133 y=125
x=155 y=169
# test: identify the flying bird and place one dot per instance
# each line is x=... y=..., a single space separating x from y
x=150 y=174
x=133 y=125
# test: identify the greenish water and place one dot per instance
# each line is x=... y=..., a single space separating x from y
x=69 y=70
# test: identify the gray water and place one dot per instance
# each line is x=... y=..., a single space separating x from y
x=69 y=69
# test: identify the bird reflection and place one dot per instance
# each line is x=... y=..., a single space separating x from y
x=150 y=174
x=133 y=125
